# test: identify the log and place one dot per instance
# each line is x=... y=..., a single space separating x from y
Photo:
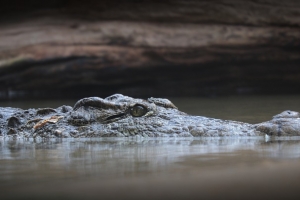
x=142 y=48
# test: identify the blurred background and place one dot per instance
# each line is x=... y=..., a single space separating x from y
x=246 y=53
x=141 y=48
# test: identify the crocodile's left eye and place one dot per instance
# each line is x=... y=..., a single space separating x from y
x=138 y=111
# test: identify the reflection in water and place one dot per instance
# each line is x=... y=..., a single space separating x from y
x=28 y=160
x=162 y=167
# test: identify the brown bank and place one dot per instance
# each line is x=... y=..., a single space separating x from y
x=163 y=48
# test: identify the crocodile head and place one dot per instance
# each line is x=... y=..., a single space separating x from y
x=122 y=116
x=119 y=115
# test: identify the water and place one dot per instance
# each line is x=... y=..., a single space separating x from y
x=174 y=168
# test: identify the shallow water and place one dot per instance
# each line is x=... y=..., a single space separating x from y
x=169 y=168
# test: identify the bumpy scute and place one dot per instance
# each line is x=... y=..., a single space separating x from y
x=123 y=116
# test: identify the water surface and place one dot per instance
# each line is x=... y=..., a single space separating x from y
x=159 y=168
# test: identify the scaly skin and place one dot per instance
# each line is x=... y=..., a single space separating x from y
x=122 y=116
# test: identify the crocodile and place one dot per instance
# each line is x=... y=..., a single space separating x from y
x=123 y=116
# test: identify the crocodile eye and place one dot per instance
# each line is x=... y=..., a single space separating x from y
x=138 y=111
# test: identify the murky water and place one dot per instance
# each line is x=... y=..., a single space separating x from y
x=174 y=168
